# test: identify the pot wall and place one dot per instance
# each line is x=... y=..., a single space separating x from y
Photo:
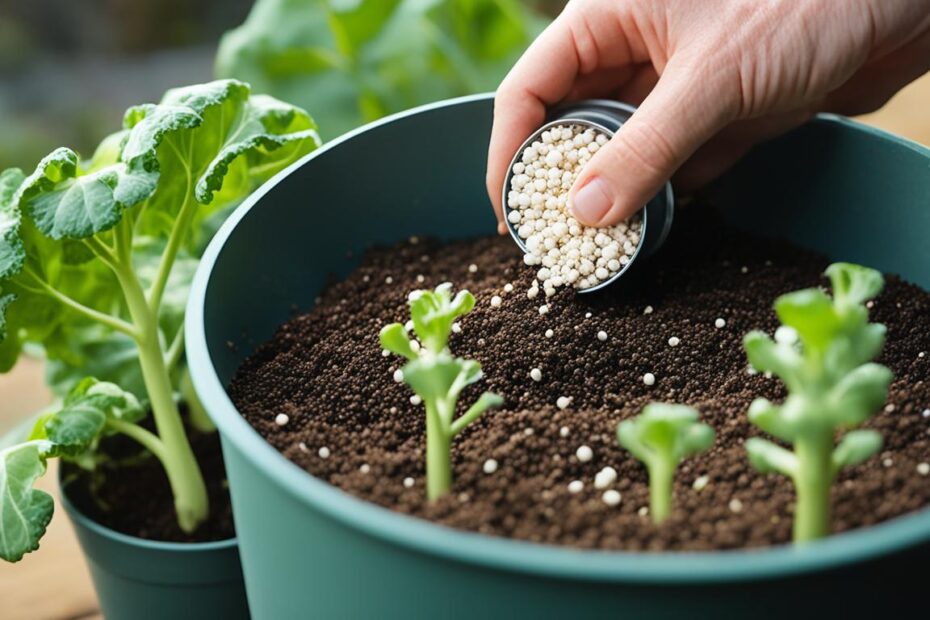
x=309 y=549
x=138 y=579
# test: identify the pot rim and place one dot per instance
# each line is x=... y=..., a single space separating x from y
x=134 y=541
x=425 y=537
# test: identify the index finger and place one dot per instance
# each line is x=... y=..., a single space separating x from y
x=543 y=76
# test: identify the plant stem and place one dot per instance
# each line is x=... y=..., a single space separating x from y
x=149 y=440
x=175 y=350
x=438 y=458
x=180 y=229
x=660 y=490
x=196 y=413
x=95 y=315
x=812 y=485
x=184 y=475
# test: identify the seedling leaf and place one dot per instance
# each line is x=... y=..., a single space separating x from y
x=394 y=339
x=437 y=377
x=832 y=387
x=768 y=457
x=857 y=395
x=854 y=284
x=855 y=447
x=661 y=437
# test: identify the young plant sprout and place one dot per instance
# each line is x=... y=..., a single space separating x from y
x=661 y=437
x=438 y=377
x=823 y=359
x=96 y=258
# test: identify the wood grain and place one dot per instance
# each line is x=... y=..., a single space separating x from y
x=53 y=583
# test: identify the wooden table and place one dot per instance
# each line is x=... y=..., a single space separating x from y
x=53 y=582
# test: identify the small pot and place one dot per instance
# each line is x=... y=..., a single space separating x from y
x=606 y=117
x=138 y=579
x=308 y=548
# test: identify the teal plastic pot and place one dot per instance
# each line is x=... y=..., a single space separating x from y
x=139 y=579
x=308 y=549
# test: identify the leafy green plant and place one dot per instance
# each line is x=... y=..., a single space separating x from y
x=832 y=386
x=96 y=259
x=661 y=437
x=92 y=410
x=357 y=60
x=438 y=377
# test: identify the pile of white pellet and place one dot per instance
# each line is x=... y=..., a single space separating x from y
x=567 y=252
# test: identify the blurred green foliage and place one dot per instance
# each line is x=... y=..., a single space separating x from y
x=352 y=61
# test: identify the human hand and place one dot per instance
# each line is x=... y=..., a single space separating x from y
x=711 y=79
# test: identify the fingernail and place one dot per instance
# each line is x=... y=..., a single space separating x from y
x=592 y=201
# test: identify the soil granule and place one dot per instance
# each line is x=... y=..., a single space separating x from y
x=325 y=370
x=129 y=491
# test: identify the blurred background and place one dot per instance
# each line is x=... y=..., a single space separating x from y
x=69 y=69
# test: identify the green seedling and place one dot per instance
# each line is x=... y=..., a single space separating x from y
x=438 y=377
x=662 y=436
x=96 y=259
x=822 y=354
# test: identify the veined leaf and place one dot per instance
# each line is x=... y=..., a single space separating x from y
x=12 y=253
x=65 y=202
x=24 y=511
x=212 y=143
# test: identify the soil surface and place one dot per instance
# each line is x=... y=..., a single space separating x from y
x=129 y=493
x=326 y=371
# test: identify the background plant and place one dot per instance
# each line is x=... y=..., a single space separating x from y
x=661 y=437
x=438 y=377
x=96 y=259
x=352 y=61
x=823 y=358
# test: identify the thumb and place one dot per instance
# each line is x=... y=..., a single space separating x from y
x=681 y=113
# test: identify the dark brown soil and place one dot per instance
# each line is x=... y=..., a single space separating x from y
x=325 y=370
x=129 y=493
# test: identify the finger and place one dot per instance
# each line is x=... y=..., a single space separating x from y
x=580 y=41
x=542 y=76
x=685 y=109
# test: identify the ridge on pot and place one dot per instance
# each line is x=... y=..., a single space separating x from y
x=306 y=545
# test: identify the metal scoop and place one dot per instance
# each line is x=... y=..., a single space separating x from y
x=605 y=117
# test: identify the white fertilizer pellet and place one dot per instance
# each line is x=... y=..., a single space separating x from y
x=611 y=497
x=563 y=401
x=490 y=466
x=575 y=486
x=408 y=483
x=584 y=453
x=323 y=452
x=281 y=419
x=536 y=374
x=566 y=252
x=605 y=478
x=649 y=379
